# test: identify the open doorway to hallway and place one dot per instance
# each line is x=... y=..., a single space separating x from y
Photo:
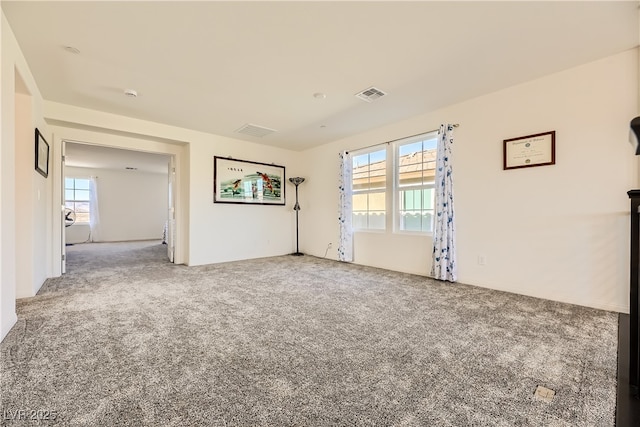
x=114 y=195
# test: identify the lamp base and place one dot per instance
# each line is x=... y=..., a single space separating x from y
x=297 y=254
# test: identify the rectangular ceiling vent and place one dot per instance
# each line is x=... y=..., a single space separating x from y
x=255 y=130
x=370 y=94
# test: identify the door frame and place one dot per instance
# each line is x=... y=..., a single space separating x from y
x=177 y=150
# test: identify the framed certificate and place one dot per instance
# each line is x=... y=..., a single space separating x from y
x=531 y=150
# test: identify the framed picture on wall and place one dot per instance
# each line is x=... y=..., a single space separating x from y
x=528 y=151
x=246 y=182
x=42 y=155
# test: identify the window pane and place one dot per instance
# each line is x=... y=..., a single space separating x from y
x=359 y=202
x=427 y=200
x=430 y=144
x=361 y=176
x=377 y=183
x=369 y=180
x=412 y=148
x=415 y=172
x=81 y=207
x=360 y=160
x=82 y=217
x=427 y=221
x=359 y=220
x=82 y=184
x=378 y=156
x=411 y=221
x=77 y=196
x=377 y=220
x=82 y=195
x=416 y=162
x=377 y=202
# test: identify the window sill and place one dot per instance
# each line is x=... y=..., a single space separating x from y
x=414 y=233
x=373 y=231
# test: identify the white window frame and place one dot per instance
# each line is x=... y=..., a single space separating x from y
x=392 y=186
x=74 y=178
x=396 y=182
x=385 y=190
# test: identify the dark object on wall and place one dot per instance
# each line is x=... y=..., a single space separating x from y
x=297 y=181
x=634 y=135
x=634 y=301
x=42 y=155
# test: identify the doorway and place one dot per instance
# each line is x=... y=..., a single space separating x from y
x=116 y=195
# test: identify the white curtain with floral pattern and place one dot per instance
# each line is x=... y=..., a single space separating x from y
x=444 y=266
x=345 y=246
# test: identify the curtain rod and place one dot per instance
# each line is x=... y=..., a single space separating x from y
x=455 y=125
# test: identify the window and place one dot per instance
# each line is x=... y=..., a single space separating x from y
x=76 y=195
x=407 y=188
x=369 y=190
x=415 y=173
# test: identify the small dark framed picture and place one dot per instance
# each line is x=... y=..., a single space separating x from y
x=42 y=155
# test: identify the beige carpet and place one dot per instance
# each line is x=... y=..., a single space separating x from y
x=128 y=339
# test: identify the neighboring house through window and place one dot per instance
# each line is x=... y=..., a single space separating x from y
x=415 y=173
x=393 y=187
x=77 y=198
x=369 y=190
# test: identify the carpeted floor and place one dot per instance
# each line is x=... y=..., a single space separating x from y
x=128 y=339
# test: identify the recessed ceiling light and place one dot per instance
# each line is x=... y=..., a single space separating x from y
x=319 y=95
x=130 y=93
x=72 y=49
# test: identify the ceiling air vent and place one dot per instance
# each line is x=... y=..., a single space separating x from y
x=370 y=94
x=255 y=130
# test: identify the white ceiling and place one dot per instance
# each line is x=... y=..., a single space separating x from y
x=215 y=66
x=94 y=156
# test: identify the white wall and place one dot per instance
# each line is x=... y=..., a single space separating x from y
x=18 y=251
x=132 y=205
x=559 y=232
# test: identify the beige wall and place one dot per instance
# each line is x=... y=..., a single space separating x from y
x=557 y=232
x=25 y=246
x=132 y=205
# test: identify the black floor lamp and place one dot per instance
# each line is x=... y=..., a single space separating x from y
x=297 y=181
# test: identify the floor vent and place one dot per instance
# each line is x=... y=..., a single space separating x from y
x=255 y=130
x=370 y=94
x=544 y=394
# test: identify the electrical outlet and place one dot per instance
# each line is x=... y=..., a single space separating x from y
x=329 y=245
x=482 y=260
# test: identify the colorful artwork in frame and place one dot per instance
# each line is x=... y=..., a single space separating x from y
x=246 y=182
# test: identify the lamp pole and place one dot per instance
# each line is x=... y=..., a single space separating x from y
x=297 y=181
